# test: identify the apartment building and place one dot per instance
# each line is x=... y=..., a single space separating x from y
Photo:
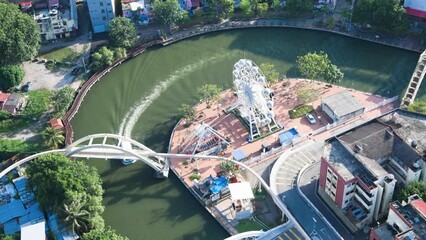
x=56 y=19
x=361 y=167
x=405 y=221
x=101 y=12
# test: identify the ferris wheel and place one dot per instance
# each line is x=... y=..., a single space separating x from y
x=255 y=100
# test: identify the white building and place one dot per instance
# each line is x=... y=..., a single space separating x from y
x=101 y=13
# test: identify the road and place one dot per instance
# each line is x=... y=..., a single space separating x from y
x=283 y=179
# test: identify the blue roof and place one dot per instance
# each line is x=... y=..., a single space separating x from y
x=24 y=190
x=61 y=233
x=287 y=137
x=11 y=210
x=238 y=155
x=31 y=215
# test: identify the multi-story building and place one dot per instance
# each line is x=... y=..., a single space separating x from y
x=404 y=221
x=360 y=168
x=56 y=19
x=101 y=13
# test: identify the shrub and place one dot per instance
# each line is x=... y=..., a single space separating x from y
x=195 y=176
x=300 y=111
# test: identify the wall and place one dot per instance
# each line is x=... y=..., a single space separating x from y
x=101 y=12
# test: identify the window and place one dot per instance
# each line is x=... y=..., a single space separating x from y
x=103 y=11
x=101 y=4
x=108 y=3
x=347 y=201
x=104 y=18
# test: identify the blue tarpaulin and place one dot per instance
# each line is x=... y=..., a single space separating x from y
x=287 y=137
x=238 y=155
x=218 y=185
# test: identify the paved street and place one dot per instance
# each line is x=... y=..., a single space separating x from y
x=283 y=180
x=308 y=185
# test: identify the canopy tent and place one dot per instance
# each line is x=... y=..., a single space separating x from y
x=218 y=185
x=238 y=155
x=287 y=137
x=240 y=191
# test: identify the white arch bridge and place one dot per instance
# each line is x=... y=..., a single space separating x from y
x=110 y=146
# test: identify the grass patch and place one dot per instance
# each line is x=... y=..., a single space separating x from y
x=62 y=55
x=14 y=124
x=300 y=111
x=247 y=225
x=38 y=103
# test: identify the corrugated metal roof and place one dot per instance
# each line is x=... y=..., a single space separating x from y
x=342 y=103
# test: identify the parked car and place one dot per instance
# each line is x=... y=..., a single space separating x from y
x=311 y=118
x=26 y=87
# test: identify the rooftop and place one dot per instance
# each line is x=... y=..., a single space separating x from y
x=411 y=214
x=346 y=164
x=342 y=103
x=376 y=141
x=409 y=126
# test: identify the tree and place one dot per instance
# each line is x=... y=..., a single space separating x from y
x=418 y=106
x=58 y=181
x=253 y=7
x=119 y=53
x=4 y=115
x=167 y=12
x=230 y=168
x=75 y=216
x=295 y=7
x=270 y=72
x=103 y=233
x=307 y=94
x=418 y=187
x=209 y=93
x=102 y=58
x=187 y=112
x=318 y=66
x=10 y=76
x=19 y=35
x=38 y=103
x=61 y=100
x=122 y=32
x=385 y=15
x=222 y=9
x=53 y=138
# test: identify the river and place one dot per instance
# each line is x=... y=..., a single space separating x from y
x=140 y=99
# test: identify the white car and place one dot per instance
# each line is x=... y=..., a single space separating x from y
x=311 y=118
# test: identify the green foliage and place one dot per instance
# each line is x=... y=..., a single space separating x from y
x=195 y=176
x=19 y=35
x=122 y=32
x=270 y=72
x=167 y=12
x=10 y=76
x=253 y=7
x=418 y=187
x=10 y=237
x=53 y=138
x=103 y=234
x=58 y=181
x=75 y=216
x=245 y=6
x=318 y=66
x=209 y=93
x=4 y=115
x=276 y=5
x=417 y=106
x=102 y=58
x=222 y=9
x=295 y=7
x=11 y=147
x=38 y=103
x=119 y=53
x=248 y=225
x=61 y=100
x=186 y=112
x=300 y=111
x=307 y=94
x=386 y=15
x=13 y=124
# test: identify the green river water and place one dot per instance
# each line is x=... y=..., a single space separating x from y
x=140 y=99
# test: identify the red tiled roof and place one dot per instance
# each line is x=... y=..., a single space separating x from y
x=56 y=123
x=416 y=13
x=420 y=206
x=4 y=97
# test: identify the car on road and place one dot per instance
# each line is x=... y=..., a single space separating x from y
x=311 y=118
x=26 y=87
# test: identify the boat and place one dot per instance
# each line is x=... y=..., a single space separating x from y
x=127 y=146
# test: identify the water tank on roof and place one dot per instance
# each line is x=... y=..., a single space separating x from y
x=389 y=177
x=414 y=144
x=416 y=165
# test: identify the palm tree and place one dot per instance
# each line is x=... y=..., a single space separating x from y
x=53 y=137
x=76 y=217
